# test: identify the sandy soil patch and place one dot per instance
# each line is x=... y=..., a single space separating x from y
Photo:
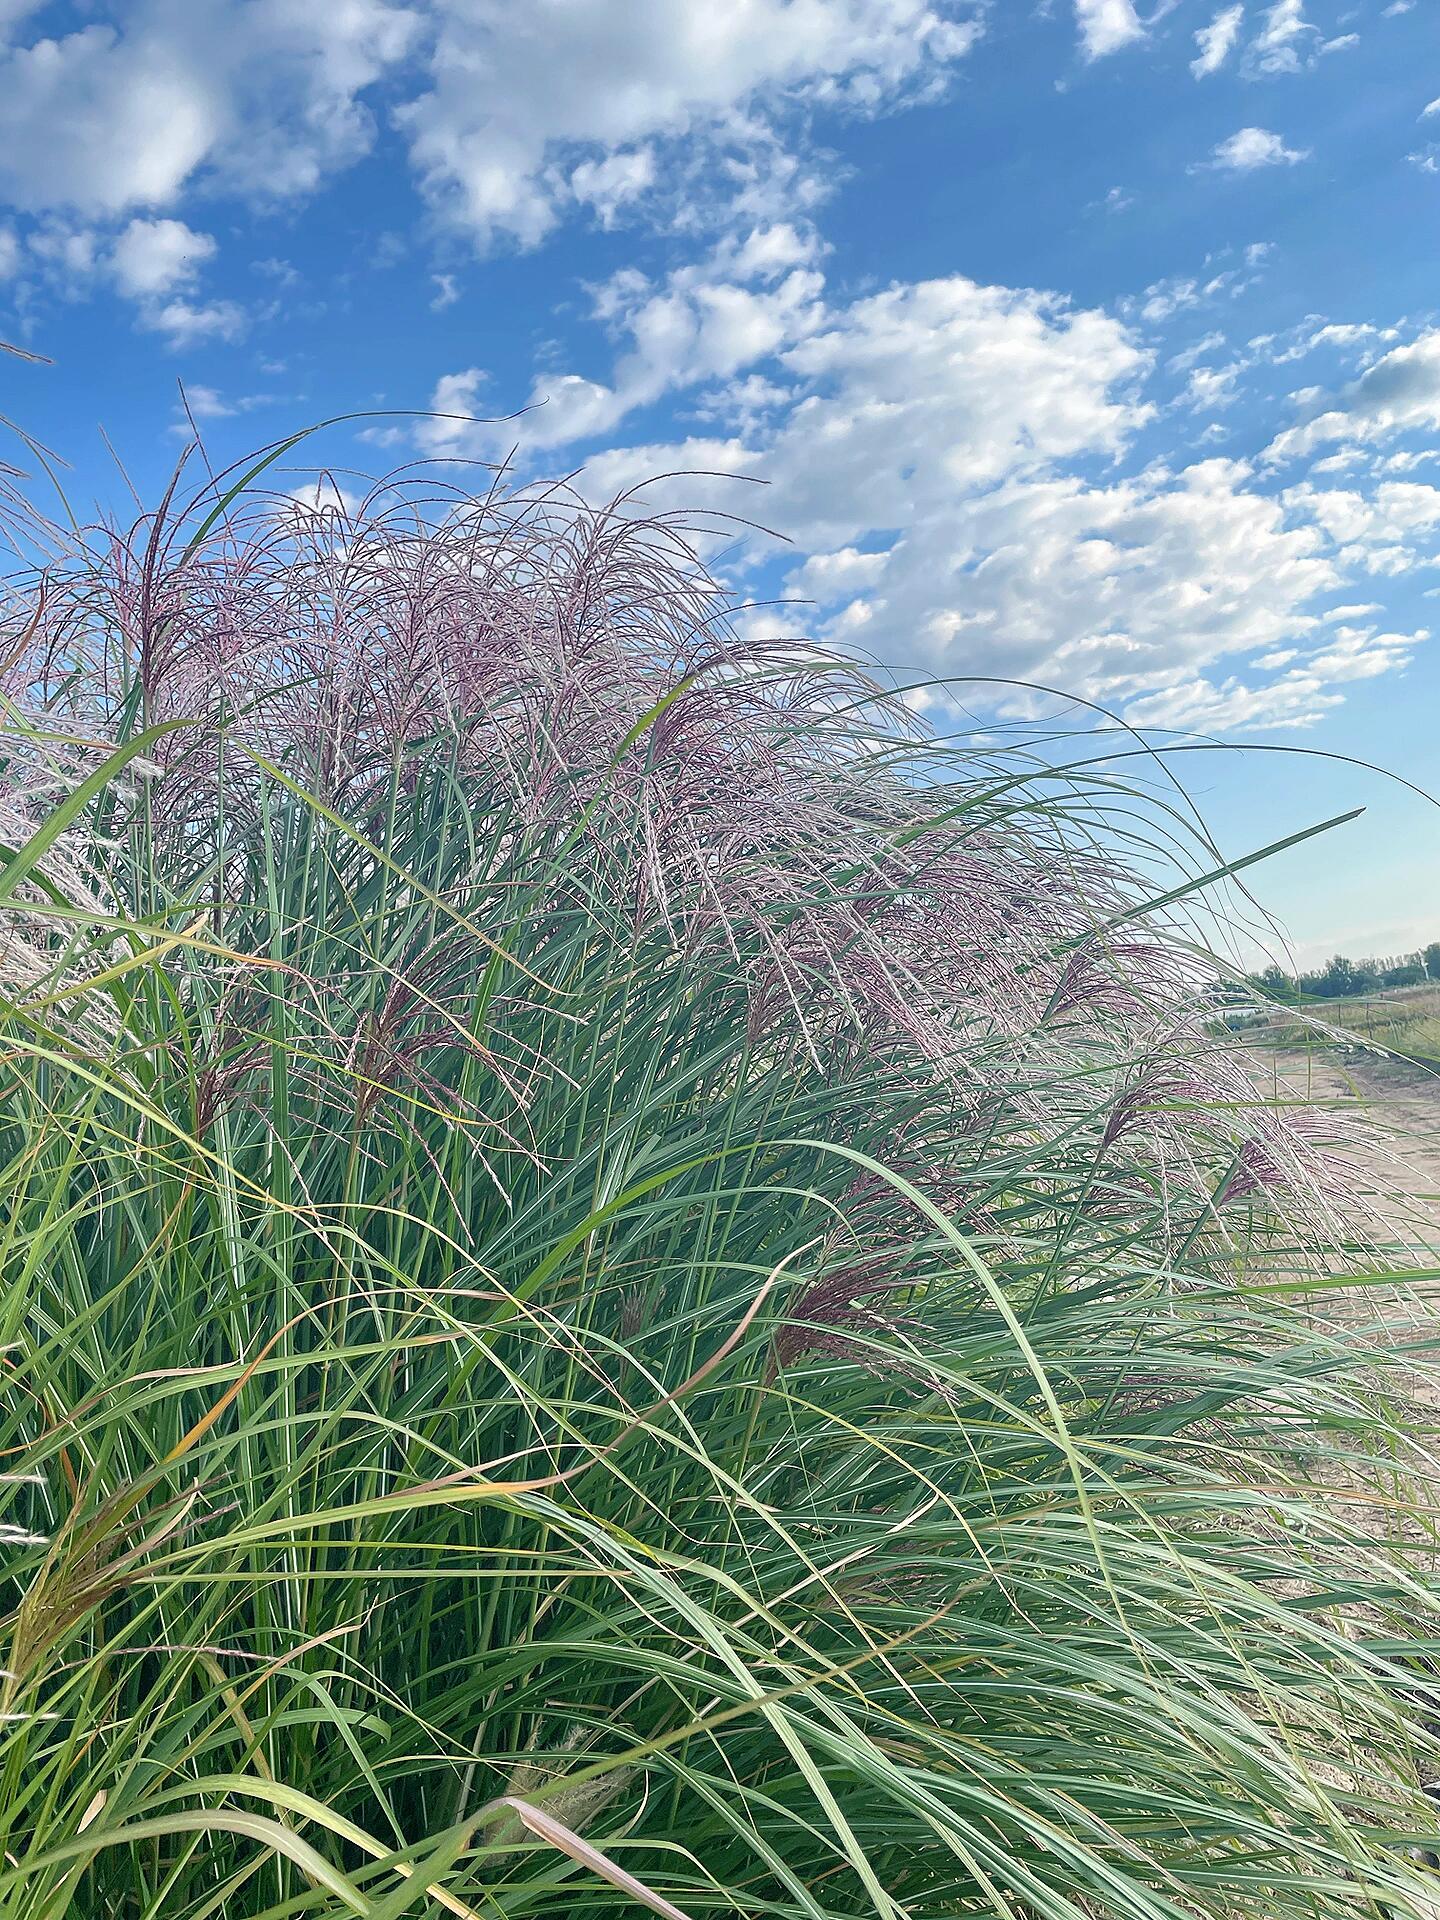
x=1401 y=1103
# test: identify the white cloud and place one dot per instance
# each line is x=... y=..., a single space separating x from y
x=1434 y=107
x=1210 y=389
x=1187 y=358
x=1216 y=41
x=184 y=323
x=946 y=459
x=1106 y=26
x=957 y=463
x=529 y=106
x=456 y=395
x=1399 y=392
x=320 y=497
x=1296 y=698
x=1165 y=298
x=1254 y=147
x=766 y=252
x=1285 y=42
x=263 y=93
x=155 y=263
x=705 y=322
x=69 y=257
x=1386 y=531
x=99 y=123
x=609 y=184
x=200 y=403
x=827 y=577
x=208 y=403
x=937 y=454
x=153 y=257
x=1338 y=334
x=1168 y=297
x=1110 y=588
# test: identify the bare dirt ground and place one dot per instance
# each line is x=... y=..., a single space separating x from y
x=1401 y=1162
x=1401 y=1171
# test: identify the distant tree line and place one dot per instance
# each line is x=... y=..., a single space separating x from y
x=1341 y=977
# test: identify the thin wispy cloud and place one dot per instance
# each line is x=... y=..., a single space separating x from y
x=1217 y=41
x=1286 y=39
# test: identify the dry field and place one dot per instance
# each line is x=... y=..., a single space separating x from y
x=1401 y=1102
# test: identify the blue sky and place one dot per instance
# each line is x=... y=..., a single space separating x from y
x=1092 y=343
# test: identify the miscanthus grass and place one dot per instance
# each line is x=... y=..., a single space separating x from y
x=628 y=1284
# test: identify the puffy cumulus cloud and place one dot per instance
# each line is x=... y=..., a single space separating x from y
x=608 y=184
x=264 y=94
x=955 y=467
x=260 y=96
x=531 y=108
x=454 y=411
x=187 y=323
x=154 y=263
x=323 y=497
x=1106 y=26
x=916 y=445
x=67 y=258
x=711 y=321
x=995 y=378
x=1110 y=588
x=1129 y=590
x=1254 y=147
x=100 y=122
x=299 y=73
x=1398 y=393
x=1215 y=42
x=1388 y=530
x=515 y=117
x=923 y=394
x=152 y=257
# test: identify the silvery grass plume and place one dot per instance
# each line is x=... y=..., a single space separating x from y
x=633 y=1285
x=579 y=667
x=46 y=752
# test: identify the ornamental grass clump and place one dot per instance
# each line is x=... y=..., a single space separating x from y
x=633 y=1285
